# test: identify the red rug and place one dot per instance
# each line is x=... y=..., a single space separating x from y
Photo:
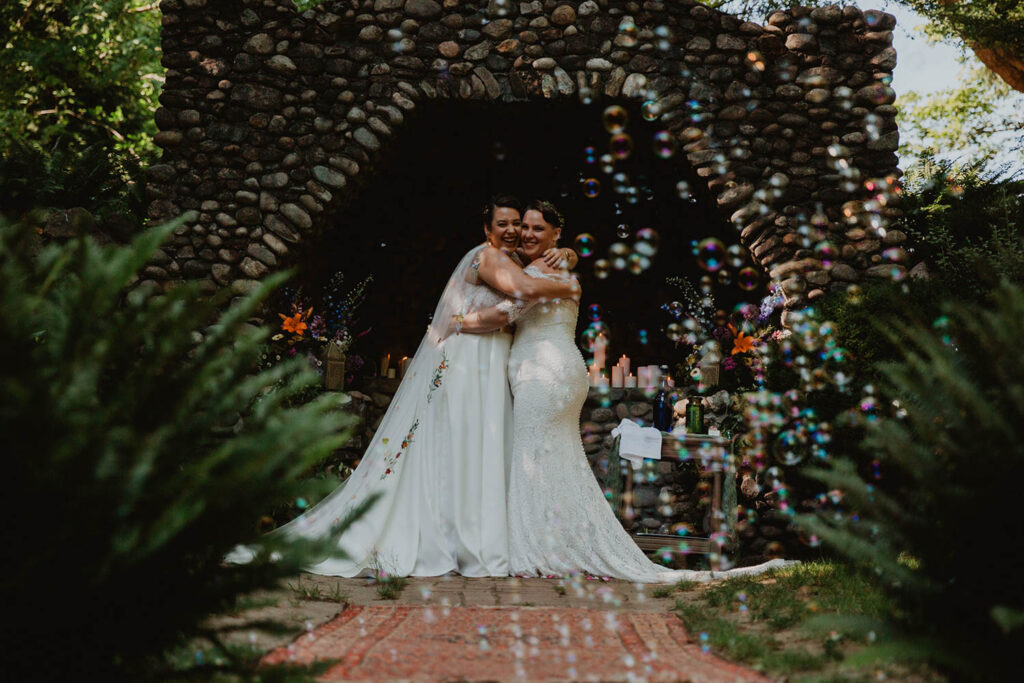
x=506 y=643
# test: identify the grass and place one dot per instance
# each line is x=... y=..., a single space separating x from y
x=559 y=588
x=390 y=587
x=315 y=592
x=806 y=621
x=668 y=591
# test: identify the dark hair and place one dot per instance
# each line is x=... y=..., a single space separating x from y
x=499 y=200
x=550 y=212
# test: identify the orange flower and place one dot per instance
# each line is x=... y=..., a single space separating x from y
x=742 y=343
x=295 y=323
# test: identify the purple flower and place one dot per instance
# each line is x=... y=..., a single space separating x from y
x=769 y=304
x=722 y=334
x=317 y=326
x=729 y=364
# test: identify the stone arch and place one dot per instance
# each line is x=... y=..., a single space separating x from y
x=270 y=116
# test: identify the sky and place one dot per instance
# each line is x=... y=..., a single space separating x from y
x=925 y=66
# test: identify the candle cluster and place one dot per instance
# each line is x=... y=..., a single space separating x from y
x=393 y=373
x=621 y=375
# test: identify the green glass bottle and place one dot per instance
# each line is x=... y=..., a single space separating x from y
x=695 y=416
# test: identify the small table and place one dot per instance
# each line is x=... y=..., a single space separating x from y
x=711 y=454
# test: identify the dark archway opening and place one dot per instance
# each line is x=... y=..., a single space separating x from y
x=417 y=212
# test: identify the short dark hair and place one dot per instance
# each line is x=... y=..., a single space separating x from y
x=499 y=200
x=550 y=212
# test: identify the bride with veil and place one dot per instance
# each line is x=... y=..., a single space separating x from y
x=437 y=463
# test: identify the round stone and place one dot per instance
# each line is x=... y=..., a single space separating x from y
x=259 y=44
x=563 y=15
x=329 y=177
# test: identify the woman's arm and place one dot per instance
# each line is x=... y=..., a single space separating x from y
x=561 y=257
x=482 y=321
x=497 y=270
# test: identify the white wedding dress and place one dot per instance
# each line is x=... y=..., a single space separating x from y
x=558 y=518
x=437 y=460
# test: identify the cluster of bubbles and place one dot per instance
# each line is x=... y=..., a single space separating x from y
x=783 y=432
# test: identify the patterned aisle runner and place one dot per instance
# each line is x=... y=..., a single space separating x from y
x=502 y=643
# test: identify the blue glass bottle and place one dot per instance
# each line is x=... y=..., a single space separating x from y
x=663 y=409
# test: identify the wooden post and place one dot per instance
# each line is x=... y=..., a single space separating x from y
x=334 y=368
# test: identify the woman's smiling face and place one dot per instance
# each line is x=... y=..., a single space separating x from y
x=504 y=229
x=537 y=234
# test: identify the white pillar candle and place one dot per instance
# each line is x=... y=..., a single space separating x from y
x=617 y=376
x=391 y=373
x=655 y=375
x=594 y=373
x=643 y=375
x=630 y=382
x=624 y=364
x=600 y=349
x=602 y=381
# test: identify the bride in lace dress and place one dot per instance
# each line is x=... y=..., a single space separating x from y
x=437 y=463
x=558 y=518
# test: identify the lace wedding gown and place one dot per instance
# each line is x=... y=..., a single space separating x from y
x=437 y=461
x=558 y=518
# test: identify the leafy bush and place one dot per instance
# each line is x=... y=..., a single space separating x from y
x=97 y=178
x=966 y=224
x=139 y=452
x=945 y=537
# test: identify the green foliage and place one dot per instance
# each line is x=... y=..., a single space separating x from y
x=992 y=23
x=977 y=118
x=787 y=621
x=78 y=78
x=967 y=224
x=944 y=537
x=138 y=456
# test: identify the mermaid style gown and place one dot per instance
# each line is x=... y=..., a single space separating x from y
x=558 y=518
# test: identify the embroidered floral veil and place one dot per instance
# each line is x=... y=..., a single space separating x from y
x=409 y=419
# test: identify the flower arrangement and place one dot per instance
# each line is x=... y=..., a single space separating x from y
x=724 y=348
x=310 y=324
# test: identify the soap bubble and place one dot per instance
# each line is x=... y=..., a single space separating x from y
x=736 y=255
x=627 y=33
x=638 y=263
x=683 y=190
x=591 y=187
x=674 y=331
x=747 y=279
x=602 y=268
x=646 y=242
x=607 y=164
x=664 y=144
x=710 y=254
x=773 y=478
x=642 y=337
x=585 y=245
x=791 y=447
x=621 y=146
x=665 y=38
x=825 y=251
x=622 y=231
x=650 y=110
x=724 y=277
x=619 y=249
x=594 y=311
x=619 y=252
x=615 y=119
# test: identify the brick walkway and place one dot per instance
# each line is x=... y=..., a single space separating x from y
x=494 y=629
